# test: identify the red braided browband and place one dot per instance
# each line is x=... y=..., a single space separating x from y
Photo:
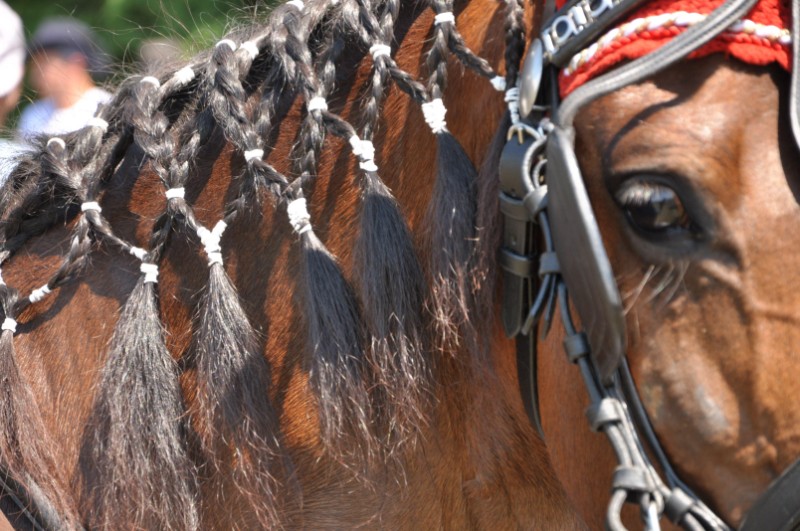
x=761 y=38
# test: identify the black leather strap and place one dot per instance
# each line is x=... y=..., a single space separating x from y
x=778 y=509
x=526 y=373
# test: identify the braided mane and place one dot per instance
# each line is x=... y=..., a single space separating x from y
x=368 y=343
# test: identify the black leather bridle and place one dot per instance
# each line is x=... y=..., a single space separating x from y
x=544 y=202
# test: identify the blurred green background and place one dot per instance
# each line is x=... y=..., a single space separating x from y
x=123 y=25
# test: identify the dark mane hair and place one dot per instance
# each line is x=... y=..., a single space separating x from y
x=369 y=349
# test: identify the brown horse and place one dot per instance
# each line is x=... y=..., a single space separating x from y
x=356 y=398
x=273 y=380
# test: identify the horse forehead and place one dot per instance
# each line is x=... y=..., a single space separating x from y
x=703 y=119
x=704 y=96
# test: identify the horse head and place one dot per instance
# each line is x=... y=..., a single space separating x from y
x=690 y=173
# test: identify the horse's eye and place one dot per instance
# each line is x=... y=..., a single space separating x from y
x=653 y=207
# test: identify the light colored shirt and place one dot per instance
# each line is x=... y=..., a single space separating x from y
x=43 y=117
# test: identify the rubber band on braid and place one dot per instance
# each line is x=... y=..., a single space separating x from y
x=381 y=52
x=77 y=168
x=434 y=109
x=452 y=209
x=456 y=44
x=373 y=32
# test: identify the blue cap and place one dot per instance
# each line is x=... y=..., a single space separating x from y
x=67 y=36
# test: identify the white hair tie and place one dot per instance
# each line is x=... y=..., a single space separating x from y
x=251 y=154
x=150 y=272
x=297 y=3
x=91 y=205
x=251 y=48
x=55 y=141
x=317 y=103
x=377 y=50
x=226 y=42
x=9 y=324
x=138 y=252
x=184 y=75
x=365 y=151
x=499 y=83
x=211 y=241
x=299 y=217
x=175 y=193
x=97 y=122
x=152 y=80
x=39 y=294
x=441 y=18
x=434 y=112
x=368 y=165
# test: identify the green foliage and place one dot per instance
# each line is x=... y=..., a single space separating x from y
x=123 y=25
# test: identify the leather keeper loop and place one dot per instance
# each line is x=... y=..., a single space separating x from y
x=513 y=207
x=516 y=264
x=677 y=505
x=548 y=264
x=604 y=412
x=630 y=479
x=577 y=346
x=536 y=201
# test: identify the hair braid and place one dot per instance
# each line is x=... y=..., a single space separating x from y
x=139 y=384
x=336 y=337
x=389 y=277
x=371 y=31
x=515 y=39
x=451 y=212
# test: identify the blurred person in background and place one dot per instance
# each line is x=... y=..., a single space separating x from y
x=12 y=66
x=64 y=54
